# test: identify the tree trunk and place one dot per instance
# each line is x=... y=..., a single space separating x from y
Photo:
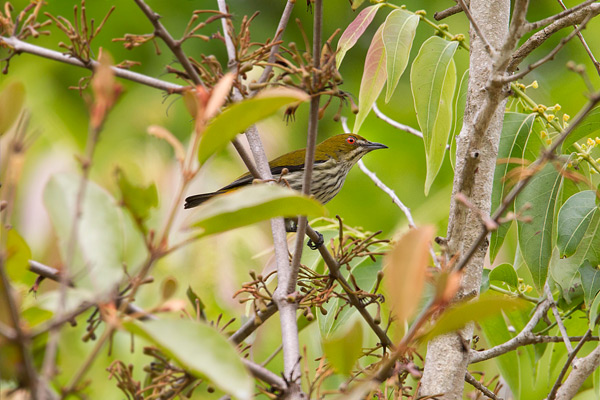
x=447 y=355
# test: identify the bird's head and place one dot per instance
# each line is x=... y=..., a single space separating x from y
x=347 y=147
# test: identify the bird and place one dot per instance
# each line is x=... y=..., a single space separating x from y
x=334 y=158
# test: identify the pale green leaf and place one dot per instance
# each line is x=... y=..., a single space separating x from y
x=354 y=31
x=505 y=273
x=344 y=348
x=460 y=103
x=573 y=220
x=373 y=79
x=433 y=80
x=239 y=116
x=594 y=311
x=515 y=132
x=201 y=350
x=138 y=199
x=398 y=35
x=11 y=102
x=99 y=245
x=17 y=256
x=535 y=237
x=459 y=315
x=252 y=204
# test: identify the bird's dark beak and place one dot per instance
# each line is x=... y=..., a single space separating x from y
x=375 y=146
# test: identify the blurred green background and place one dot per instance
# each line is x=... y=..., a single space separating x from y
x=216 y=266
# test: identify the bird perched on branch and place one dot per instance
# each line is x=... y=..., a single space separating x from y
x=334 y=158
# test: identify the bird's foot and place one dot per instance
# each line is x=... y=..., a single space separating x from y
x=314 y=246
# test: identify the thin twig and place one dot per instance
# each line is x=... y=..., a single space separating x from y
x=23 y=47
x=260 y=372
x=561 y=15
x=395 y=124
x=448 y=12
x=480 y=386
x=584 y=43
x=23 y=341
x=174 y=45
x=550 y=55
x=526 y=336
x=565 y=368
x=561 y=327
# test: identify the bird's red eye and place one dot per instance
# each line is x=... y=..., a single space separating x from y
x=351 y=140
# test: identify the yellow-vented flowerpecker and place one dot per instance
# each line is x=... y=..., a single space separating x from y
x=334 y=158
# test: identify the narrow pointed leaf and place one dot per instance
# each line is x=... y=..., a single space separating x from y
x=574 y=218
x=398 y=36
x=201 y=350
x=17 y=256
x=535 y=237
x=433 y=80
x=406 y=268
x=239 y=116
x=253 y=204
x=373 y=79
x=515 y=132
x=354 y=31
x=460 y=103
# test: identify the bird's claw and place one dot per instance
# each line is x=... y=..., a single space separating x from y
x=314 y=246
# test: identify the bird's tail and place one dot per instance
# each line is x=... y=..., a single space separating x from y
x=196 y=200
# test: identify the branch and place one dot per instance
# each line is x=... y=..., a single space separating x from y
x=524 y=337
x=582 y=369
x=540 y=37
x=549 y=56
x=334 y=270
x=264 y=374
x=584 y=43
x=561 y=327
x=480 y=386
x=394 y=123
x=22 y=340
x=570 y=359
x=20 y=46
x=448 y=12
x=561 y=15
x=174 y=45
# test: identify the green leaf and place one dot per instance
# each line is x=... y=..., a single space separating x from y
x=516 y=130
x=345 y=348
x=460 y=103
x=433 y=80
x=456 y=317
x=201 y=350
x=398 y=36
x=495 y=331
x=356 y=4
x=505 y=273
x=11 y=103
x=589 y=125
x=239 y=116
x=594 y=311
x=373 y=79
x=138 y=199
x=193 y=298
x=252 y=204
x=573 y=220
x=590 y=280
x=354 y=31
x=98 y=259
x=18 y=255
x=535 y=237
